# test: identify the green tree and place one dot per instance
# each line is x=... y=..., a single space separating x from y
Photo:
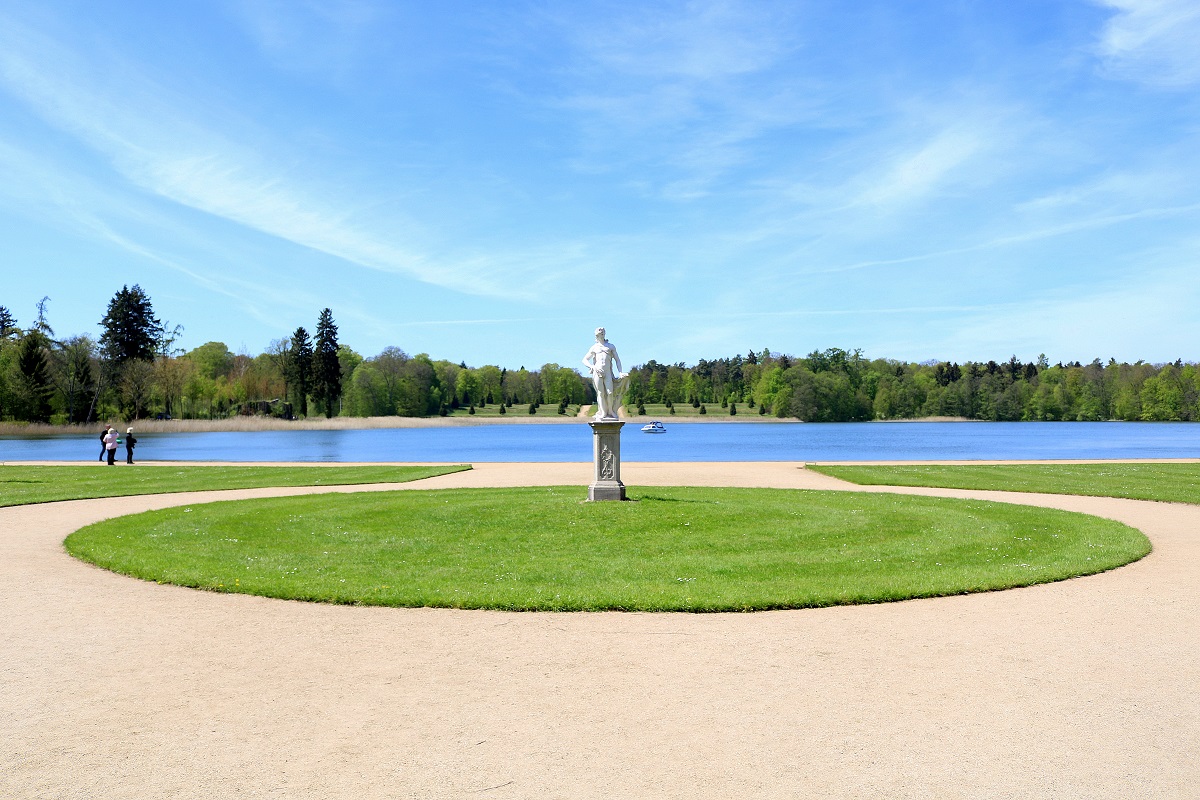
x=212 y=359
x=300 y=368
x=135 y=387
x=327 y=369
x=75 y=376
x=8 y=324
x=131 y=331
x=468 y=387
x=36 y=387
x=1162 y=396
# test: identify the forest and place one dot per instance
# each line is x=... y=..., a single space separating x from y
x=134 y=370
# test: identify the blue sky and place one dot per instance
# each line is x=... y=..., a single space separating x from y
x=491 y=181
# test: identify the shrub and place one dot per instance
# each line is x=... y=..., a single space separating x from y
x=733 y=409
x=471 y=410
x=502 y=411
x=533 y=408
x=703 y=410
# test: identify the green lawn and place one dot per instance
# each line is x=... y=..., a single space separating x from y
x=678 y=549
x=493 y=410
x=659 y=411
x=43 y=484
x=1176 y=483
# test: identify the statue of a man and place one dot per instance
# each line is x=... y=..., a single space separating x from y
x=605 y=366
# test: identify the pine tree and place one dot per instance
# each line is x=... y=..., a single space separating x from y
x=131 y=331
x=300 y=364
x=327 y=369
x=733 y=409
x=34 y=365
x=8 y=324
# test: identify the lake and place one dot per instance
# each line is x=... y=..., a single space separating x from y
x=713 y=441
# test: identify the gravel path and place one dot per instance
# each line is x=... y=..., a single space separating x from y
x=116 y=688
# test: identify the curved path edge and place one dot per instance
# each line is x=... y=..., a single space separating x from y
x=113 y=687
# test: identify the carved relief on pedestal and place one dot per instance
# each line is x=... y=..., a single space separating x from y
x=607 y=465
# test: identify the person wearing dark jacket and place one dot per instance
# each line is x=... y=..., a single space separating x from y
x=129 y=443
x=104 y=442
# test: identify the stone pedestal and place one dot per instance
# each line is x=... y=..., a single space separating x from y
x=606 y=461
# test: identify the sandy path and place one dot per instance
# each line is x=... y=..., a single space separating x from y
x=117 y=688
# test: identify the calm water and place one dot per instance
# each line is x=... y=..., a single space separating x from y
x=712 y=441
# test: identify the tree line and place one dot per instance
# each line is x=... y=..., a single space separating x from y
x=135 y=370
x=836 y=385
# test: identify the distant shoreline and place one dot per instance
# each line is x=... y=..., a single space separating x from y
x=251 y=424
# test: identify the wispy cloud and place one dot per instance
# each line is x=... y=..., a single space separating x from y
x=142 y=128
x=690 y=87
x=55 y=195
x=913 y=176
x=1075 y=226
x=1152 y=41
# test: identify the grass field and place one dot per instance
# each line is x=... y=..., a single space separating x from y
x=685 y=411
x=1176 y=483
x=677 y=549
x=657 y=411
x=493 y=410
x=43 y=484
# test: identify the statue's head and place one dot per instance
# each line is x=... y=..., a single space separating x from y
x=600 y=334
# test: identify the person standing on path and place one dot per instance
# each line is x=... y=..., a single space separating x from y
x=104 y=441
x=110 y=445
x=129 y=443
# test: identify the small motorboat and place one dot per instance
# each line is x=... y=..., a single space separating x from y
x=654 y=427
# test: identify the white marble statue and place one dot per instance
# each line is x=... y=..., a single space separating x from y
x=605 y=366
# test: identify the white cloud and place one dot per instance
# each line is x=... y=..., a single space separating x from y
x=690 y=87
x=1153 y=41
x=915 y=175
x=140 y=127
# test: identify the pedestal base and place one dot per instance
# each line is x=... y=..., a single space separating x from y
x=606 y=461
x=604 y=491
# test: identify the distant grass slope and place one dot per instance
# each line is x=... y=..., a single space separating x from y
x=43 y=484
x=677 y=549
x=1176 y=483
